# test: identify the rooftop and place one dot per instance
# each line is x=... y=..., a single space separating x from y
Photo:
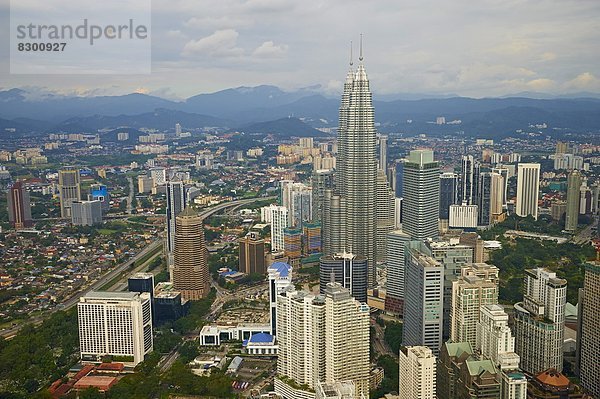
x=125 y=296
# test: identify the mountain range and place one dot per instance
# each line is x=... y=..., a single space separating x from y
x=250 y=109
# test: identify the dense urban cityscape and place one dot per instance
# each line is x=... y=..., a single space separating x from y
x=257 y=243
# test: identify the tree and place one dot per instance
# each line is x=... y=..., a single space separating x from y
x=91 y=393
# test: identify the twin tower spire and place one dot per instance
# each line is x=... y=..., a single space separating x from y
x=360 y=56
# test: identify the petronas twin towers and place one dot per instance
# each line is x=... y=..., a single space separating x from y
x=350 y=216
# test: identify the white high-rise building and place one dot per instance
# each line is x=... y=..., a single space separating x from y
x=477 y=286
x=417 y=373
x=528 y=187
x=496 y=342
x=280 y=278
x=115 y=323
x=297 y=198
x=540 y=321
x=423 y=300
x=159 y=175
x=321 y=338
x=277 y=217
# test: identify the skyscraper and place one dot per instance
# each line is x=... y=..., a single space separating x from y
x=382 y=162
x=297 y=198
x=496 y=343
x=423 y=300
x=347 y=269
x=277 y=216
x=421 y=195
x=477 y=286
x=528 y=186
x=69 y=190
x=467 y=180
x=573 y=200
x=19 y=207
x=321 y=180
x=396 y=246
x=86 y=213
x=589 y=337
x=484 y=199
x=280 y=278
x=321 y=338
x=453 y=256
x=356 y=175
x=252 y=254
x=115 y=323
x=448 y=193
x=384 y=212
x=175 y=204
x=540 y=321
x=497 y=196
x=417 y=366
x=190 y=266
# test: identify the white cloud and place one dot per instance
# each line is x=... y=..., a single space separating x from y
x=220 y=44
x=268 y=50
x=584 y=81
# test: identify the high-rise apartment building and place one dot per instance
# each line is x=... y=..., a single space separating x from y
x=423 y=301
x=589 y=337
x=351 y=209
x=277 y=217
x=349 y=270
x=86 y=213
x=448 y=193
x=396 y=245
x=477 y=286
x=496 y=343
x=417 y=369
x=321 y=338
x=528 y=187
x=573 y=200
x=421 y=195
x=540 y=321
x=115 y=324
x=19 y=206
x=252 y=254
x=297 y=198
x=69 y=190
x=190 y=263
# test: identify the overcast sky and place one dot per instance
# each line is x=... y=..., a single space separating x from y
x=468 y=47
